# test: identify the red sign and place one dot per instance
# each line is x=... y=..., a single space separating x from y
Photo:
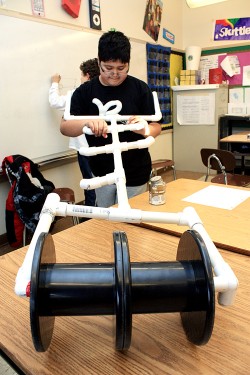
x=72 y=7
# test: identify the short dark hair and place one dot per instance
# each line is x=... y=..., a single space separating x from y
x=90 y=67
x=114 y=45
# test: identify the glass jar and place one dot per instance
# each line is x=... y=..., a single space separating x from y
x=157 y=189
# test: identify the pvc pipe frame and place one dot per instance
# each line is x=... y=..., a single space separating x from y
x=225 y=281
x=109 y=115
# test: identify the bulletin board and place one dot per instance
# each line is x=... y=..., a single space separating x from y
x=244 y=60
x=30 y=54
x=243 y=54
x=164 y=66
x=158 y=68
x=176 y=65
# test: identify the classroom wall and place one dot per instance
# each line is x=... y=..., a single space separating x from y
x=198 y=23
x=126 y=16
x=190 y=27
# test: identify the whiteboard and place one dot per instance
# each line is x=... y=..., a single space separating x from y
x=30 y=53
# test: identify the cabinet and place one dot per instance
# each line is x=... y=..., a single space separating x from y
x=233 y=124
x=158 y=76
x=230 y=125
x=189 y=137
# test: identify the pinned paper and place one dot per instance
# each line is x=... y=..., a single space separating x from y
x=246 y=76
x=236 y=95
x=38 y=8
x=231 y=65
x=247 y=95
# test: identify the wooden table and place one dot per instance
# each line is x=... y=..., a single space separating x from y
x=229 y=229
x=84 y=345
x=240 y=137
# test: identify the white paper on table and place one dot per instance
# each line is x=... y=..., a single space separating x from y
x=219 y=197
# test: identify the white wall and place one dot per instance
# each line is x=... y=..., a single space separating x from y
x=189 y=25
x=162 y=148
x=198 y=23
x=126 y=16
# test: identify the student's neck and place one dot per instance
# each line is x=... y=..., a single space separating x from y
x=101 y=81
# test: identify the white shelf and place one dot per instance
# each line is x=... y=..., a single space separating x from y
x=196 y=87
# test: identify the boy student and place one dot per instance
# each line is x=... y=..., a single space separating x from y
x=114 y=83
x=89 y=69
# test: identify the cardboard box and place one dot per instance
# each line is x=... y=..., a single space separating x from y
x=194 y=81
x=194 y=72
x=190 y=77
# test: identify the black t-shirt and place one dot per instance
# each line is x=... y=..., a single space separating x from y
x=136 y=99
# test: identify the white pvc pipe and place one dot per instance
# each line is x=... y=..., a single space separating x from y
x=120 y=128
x=122 y=196
x=46 y=218
x=104 y=109
x=124 y=146
x=97 y=182
x=224 y=280
x=113 y=115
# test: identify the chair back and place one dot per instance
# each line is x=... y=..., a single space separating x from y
x=226 y=158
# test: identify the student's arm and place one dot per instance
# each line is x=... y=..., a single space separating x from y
x=150 y=129
x=56 y=100
x=146 y=103
x=74 y=128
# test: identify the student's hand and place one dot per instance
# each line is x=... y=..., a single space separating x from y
x=56 y=78
x=98 y=127
x=137 y=119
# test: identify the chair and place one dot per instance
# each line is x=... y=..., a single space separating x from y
x=223 y=162
x=163 y=164
x=67 y=195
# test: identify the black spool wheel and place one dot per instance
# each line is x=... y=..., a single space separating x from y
x=198 y=325
x=41 y=326
x=185 y=286
x=123 y=292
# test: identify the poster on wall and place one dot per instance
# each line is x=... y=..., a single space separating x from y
x=95 y=14
x=152 y=18
x=37 y=8
x=232 y=29
x=168 y=35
